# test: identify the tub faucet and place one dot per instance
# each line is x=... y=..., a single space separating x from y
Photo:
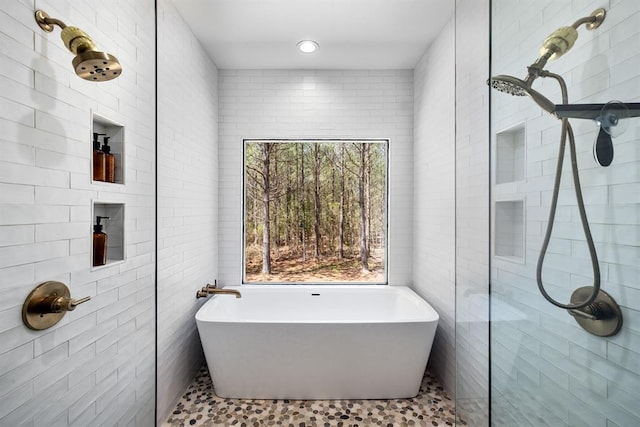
x=213 y=289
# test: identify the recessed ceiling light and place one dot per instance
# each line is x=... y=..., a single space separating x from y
x=307 y=46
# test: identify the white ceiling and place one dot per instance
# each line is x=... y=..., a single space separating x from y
x=352 y=34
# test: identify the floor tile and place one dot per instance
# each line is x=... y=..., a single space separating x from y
x=199 y=406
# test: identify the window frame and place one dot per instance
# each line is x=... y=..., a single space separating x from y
x=387 y=145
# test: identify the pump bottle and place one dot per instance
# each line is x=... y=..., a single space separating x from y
x=98 y=159
x=109 y=161
x=99 y=243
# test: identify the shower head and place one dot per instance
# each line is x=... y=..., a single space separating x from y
x=89 y=63
x=510 y=85
x=514 y=86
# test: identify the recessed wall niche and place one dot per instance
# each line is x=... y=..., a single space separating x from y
x=113 y=227
x=509 y=230
x=510 y=155
x=107 y=150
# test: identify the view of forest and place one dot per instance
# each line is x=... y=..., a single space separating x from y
x=315 y=211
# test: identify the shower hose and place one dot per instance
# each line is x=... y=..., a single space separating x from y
x=567 y=131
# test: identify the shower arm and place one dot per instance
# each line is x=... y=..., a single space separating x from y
x=553 y=49
x=592 y=21
x=46 y=22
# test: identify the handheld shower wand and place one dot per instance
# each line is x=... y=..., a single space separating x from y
x=592 y=308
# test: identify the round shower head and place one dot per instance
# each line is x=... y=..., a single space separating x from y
x=96 y=66
x=515 y=86
x=89 y=63
x=510 y=85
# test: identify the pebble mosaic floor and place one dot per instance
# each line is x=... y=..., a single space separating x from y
x=199 y=406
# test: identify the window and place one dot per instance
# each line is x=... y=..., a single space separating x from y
x=315 y=211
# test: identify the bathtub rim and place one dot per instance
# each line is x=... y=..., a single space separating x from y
x=432 y=316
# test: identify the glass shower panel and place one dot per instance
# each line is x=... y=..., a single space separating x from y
x=472 y=211
x=546 y=370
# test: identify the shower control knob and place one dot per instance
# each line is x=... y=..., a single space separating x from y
x=602 y=317
x=47 y=304
x=58 y=304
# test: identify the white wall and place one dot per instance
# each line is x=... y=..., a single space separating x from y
x=97 y=365
x=187 y=199
x=545 y=368
x=434 y=195
x=316 y=104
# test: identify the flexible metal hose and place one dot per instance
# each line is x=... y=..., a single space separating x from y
x=567 y=131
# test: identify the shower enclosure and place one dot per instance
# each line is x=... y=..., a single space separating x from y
x=544 y=368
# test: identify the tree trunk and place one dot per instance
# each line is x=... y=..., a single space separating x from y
x=367 y=198
x=255 y=221
x=266 y=243
x=276 y=206
x=301 y=193
x=364 y=256
x=316 y=199
x=341 y=211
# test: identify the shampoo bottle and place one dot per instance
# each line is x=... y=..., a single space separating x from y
x=99 y=243
x=98 y=159
x=109 y=162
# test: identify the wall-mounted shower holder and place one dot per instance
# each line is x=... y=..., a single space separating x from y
x=602 y=317
x=610 y=118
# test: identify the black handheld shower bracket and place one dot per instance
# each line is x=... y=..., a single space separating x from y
x=609 y=117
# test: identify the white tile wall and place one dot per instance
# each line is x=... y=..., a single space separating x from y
x=546 y=370
x=434 y=195
x=97 y=365
x=187 y=199
x=316 y=104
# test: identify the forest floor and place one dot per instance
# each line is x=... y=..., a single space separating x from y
x=288 y=265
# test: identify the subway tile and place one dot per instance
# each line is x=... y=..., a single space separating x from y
x=16 y=235
x=72 y=230
x=13 y=111
x=51 y=160
x=63 y=369
x=66 y=197
x=29 y=175
x=16 y=398
x=26 y=372
x=89 y=337
x=50 y=269
x=17 y=214
x=624 y=358
x=16 y=357
x=15 y=255
x=61 y=334
x=17 y=153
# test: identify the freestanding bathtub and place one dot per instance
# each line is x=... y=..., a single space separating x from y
x=317 y=342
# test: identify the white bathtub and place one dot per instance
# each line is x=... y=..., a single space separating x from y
x=317 y=342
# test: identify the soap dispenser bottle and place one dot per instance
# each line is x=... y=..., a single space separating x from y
x=98 y=159
x=109 y=161
x=99 y=243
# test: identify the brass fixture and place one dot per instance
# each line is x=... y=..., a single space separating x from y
x=553 y=47
x=47 y=304
x=89 y=63
x=213 y=289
